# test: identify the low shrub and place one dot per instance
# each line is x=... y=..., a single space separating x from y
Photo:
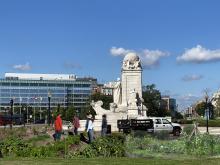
x=212 y=123
x=38 y=138
x=139 y=133
x=187 y=129
x=21 y=148
x=184 y=121
x=202 y=144
x=108 y=146
x=15 y=147
x=162 y=135
x=13 y=133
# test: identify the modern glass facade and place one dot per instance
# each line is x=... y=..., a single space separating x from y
x=33 y=94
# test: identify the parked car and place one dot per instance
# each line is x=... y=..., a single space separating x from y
x=8 y=119
x=41 y=121
x=154 y=124
x=67 y=127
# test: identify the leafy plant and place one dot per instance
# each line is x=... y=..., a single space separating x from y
x=109 y=146
x=198 y=145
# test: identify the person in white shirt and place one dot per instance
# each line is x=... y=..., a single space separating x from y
x=89 y=128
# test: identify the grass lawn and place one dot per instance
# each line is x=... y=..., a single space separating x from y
x=112 y=161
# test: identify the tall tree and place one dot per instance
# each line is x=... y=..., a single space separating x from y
x=211 y=110
x=217 y=106
x=200 y=108
x=152 y=100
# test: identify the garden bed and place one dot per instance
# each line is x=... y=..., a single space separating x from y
x=135 y=145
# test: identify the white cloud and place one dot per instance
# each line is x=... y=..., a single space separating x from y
x=21 y=67
x=199 y=54
x=192 y=77
x=149 y=58
x=119 y=51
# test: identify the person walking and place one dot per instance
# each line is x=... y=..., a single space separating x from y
x=89 y=128
x=58 y=127
x=76 y=124
x=104 y=125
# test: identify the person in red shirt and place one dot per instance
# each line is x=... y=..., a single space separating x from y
x=76 y=124
x=58 y=127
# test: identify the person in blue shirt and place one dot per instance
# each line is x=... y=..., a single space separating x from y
x=90 y=127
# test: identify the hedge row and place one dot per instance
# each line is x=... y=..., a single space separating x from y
x=212 y=123
x=202 y=123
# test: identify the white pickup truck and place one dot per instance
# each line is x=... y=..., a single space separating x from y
x=162 y=124
x=151 y=124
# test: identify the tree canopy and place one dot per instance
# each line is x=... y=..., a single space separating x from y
x=201 y=107
x=217 y=107
x=106 y=99
x=152 y=100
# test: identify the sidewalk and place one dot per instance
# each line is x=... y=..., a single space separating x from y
x=212 y=130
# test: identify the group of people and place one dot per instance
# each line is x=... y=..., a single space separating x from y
x=58 y=126
x=89 y=127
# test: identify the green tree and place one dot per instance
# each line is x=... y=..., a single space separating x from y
x=87 y=110
x=211 y=110
x=200 y=108
x=70 y=112
x=66 y=114
x=178 y=115
x=152 y=100
x=217 y=107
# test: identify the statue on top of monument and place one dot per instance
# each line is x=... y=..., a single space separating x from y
x=131 y=61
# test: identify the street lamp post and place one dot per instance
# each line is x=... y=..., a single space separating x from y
x=27 y=108
x=49 y=113
x=11 y=103
x=5 y=115
x=24 y=115
x=207 y=113
x=40 y=108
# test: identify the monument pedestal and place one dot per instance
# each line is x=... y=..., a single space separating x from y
x=131 y=80
x=132 y=112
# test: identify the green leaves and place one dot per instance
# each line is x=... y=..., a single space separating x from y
x=152 y=100
x=109 y=146
x=105 y=99
x=202 y=144
x=21 y=148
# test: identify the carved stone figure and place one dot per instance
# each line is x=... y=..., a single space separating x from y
x=131 y=61
x=133 y=98
x=117 y=92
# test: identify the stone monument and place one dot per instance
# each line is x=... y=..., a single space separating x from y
x=127 y=93
x=131 y=83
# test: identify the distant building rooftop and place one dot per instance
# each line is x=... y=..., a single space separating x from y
x=29 y=76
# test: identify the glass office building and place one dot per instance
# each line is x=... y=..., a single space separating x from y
x=31 y=91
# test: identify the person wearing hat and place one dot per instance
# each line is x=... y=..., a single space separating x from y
x=89 y=127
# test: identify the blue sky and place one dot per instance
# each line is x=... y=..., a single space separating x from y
x=178 y=41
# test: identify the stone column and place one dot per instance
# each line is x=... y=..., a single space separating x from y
x=131 y=80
